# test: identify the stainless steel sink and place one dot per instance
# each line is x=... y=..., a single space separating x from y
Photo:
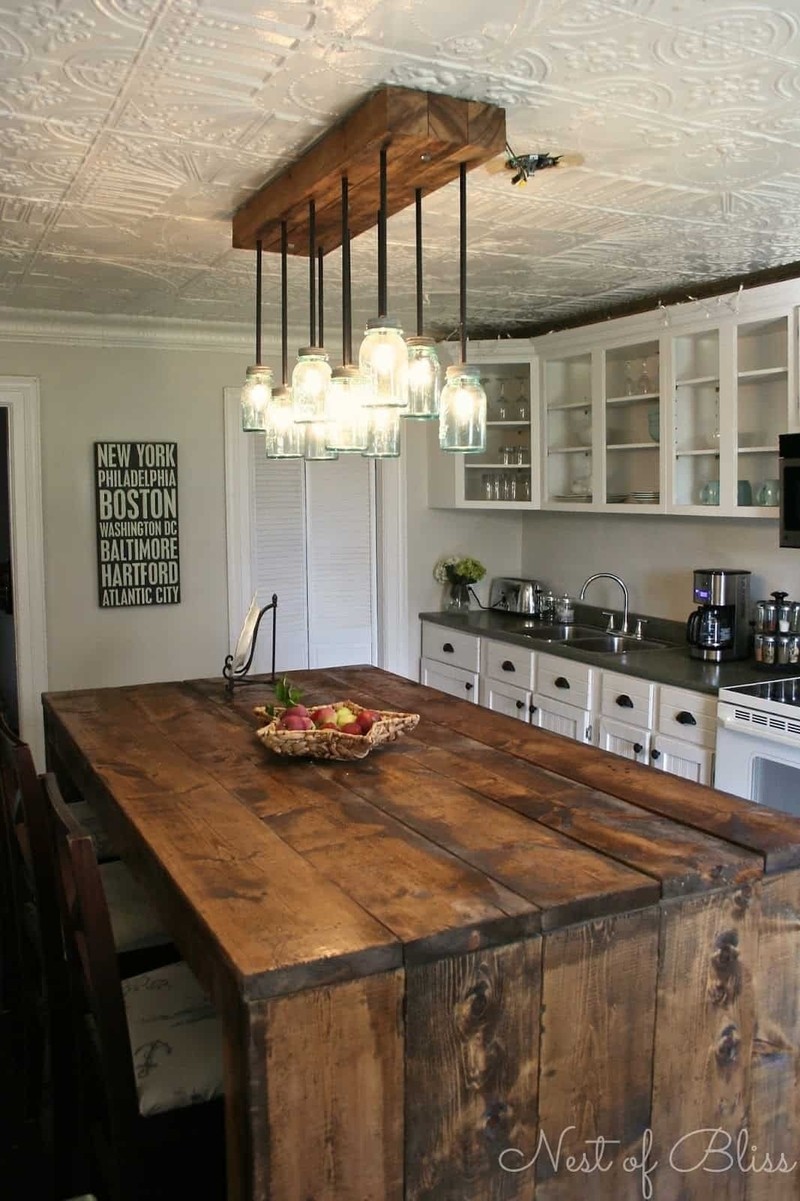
x=557 y=633
x=616 y=644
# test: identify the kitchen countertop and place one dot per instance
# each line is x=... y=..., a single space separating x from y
x=670 y=665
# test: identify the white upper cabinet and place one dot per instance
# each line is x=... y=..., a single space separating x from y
x=673 y=411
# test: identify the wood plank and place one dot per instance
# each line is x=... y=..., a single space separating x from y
x=774 y=1113
x=429 y=135
x=230 y=890
x=566 y=881
x=472 y=1073
x=430 y=900
x=704 y=1043
x=334 y=1074
x=774 y=836
x=598 y=1005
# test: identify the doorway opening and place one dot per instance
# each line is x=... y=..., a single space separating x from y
x=9 y=706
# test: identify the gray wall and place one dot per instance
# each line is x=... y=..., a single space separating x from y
x=96 y=393
x=654 y=555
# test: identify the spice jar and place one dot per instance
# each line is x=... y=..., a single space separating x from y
x=782 y=650
x=794 y=619
x=768 y=648
x=784 y=617
x=766 y=617
x=794 y=648
x=758 y=648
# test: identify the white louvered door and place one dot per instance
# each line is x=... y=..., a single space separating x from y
x=313 y=543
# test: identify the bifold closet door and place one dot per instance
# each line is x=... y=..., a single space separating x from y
x=313 y=542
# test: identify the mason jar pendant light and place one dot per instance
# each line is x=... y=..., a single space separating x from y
x=344 y=402
x=383 y=357
x=284 y=438
x=316 y=432
x=383 y=432
x=424 y=368
x=312 y=372
x=462 y=405
x=257 y=387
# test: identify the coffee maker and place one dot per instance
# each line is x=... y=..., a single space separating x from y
x=719 y=629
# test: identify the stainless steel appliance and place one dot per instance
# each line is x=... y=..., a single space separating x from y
x=789 y=497
x=719 y=629
x=513 y=595
x=758 y=743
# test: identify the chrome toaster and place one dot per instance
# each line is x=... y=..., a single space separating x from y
x=512 y=594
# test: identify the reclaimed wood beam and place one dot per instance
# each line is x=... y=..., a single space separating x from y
x=426 y=135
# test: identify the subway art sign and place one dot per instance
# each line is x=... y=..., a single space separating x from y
x=136 y=491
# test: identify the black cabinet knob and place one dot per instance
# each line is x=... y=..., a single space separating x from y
x=468 y=687
x=624 y=701
x=561 y=682
x=507 y=665
x=531 y=708
x=637 y=748
x=520 y=704
x=686 y=719
x=448 y=648
x=655 y=754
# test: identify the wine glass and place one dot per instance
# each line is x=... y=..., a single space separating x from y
x=643 y=383
x=502 y=406
x=629 y=383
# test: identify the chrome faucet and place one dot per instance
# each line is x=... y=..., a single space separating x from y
x=606 y=575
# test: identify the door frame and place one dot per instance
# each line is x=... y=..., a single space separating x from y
x=390 y=542
x=19 y=395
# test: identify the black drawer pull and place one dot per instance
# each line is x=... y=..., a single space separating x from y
x=686 y=719
x=624 y=701
x=448 y=648
x=507 y=665
x=655 y=754
x=531 y=708
x=637 y=748
x=520 y=704
x=468 y=687
x=561 y=682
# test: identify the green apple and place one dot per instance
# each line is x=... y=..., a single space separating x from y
x=344 y=716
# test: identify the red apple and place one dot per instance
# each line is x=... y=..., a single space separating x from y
x=366 y=720
x=323 y=716
x=296 y=711
x=295 y=722
x=351 y=728
x=329 y=725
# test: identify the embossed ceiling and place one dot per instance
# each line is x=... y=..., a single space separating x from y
x=130 y=130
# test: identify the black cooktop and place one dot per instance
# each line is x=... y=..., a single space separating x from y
x=783 y=692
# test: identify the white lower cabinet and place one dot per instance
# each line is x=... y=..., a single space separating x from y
x=505 y=698
x=626 y=740
x=683 y=759
x=671 y=729
x=455 y=680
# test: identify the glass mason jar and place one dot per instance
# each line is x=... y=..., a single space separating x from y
x=345 y=414
x=311 y=376
x=424 y=379
x=256 y=394
x=462 y=411
x=458 y=598
x=315 y=446
x=383 y=433
x=383 y=359
x=284 y=438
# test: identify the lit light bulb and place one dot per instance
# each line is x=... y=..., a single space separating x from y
x=310 y=380
x=383 y=359
x=462 y=411
x=383 y=432
x=284 y=439
x=424 y=379
x=255 y=397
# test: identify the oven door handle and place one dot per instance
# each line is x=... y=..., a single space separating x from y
x=730 y=723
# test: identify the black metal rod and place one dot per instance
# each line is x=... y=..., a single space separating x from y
x=418 y=212
x=382 y=303
x=462 y=172
x=312 y=254
x=347 y=332
x=258 y=300
x=320 y=256
x=284 y=305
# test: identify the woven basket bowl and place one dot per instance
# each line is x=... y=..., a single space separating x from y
x=333 y=744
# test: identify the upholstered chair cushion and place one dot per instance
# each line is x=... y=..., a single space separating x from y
x=176 y=1039
x=134 y=922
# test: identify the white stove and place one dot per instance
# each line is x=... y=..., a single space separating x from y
x=758 y=743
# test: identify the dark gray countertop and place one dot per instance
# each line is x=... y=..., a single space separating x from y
x=671 y=665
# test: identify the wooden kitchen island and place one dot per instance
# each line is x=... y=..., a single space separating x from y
x=480 y=941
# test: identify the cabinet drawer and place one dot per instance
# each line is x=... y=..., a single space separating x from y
x=690 y=716
x=627 y=699
x=567 y=681
x=451 y=646
x=453 y=680
x=510 y=664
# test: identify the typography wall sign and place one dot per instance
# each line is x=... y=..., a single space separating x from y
x=136 y=489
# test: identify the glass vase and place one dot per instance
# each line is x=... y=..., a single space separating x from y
x=458 y=598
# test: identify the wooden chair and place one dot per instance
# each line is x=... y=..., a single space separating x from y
x=150 y=1045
